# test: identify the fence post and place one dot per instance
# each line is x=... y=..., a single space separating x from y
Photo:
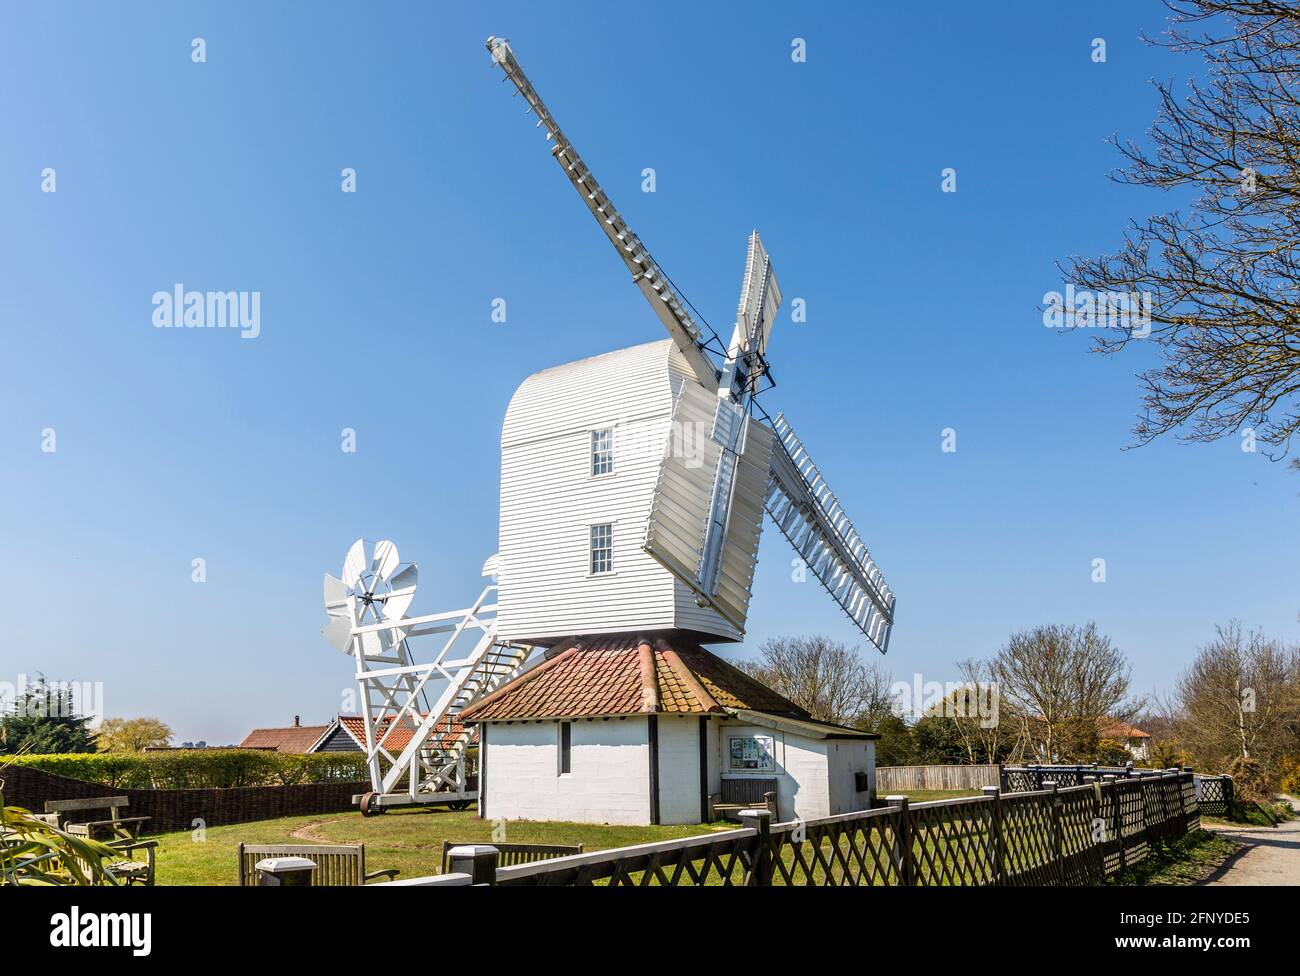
x=1002 y=777
x=1116 y=820
x=999 y=842
x=1186 y=776
x=1182 y=803
x=1229 y=794
x=479 y=861
x=906 y=859
x=1054 y=786
x=760 y=872
x=284 y=872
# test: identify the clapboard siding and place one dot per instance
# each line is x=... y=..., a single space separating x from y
x=549 y=500
x=339 y=741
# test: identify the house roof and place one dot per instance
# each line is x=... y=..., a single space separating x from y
x=444 y=733
x=805 y=727
x=629 y=675
x=293 y=738
x=1110 y=728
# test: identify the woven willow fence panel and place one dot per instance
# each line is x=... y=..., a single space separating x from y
x=1073 y=835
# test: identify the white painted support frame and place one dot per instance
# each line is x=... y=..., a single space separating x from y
x=392 y=690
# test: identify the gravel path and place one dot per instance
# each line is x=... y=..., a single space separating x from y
x=1272 y=856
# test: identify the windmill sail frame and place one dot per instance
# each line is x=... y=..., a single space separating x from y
x=809 y=515
x=668 y=304
x=717 y=567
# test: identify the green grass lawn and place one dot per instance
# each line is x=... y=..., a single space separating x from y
x=1257 y=814
x=410 y=840
x=1182 y=862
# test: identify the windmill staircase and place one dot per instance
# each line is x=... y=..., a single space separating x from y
x=444 y=757
x=415 y=747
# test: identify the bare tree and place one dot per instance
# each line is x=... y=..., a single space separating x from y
x=1240 y=698
x=826 y=677
x=1223 y=277
x=1060 y=683
x=974 y=709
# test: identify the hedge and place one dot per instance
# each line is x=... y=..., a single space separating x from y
x=200 y=768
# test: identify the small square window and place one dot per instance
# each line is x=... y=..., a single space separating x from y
x=602 y=451
x=602 y=548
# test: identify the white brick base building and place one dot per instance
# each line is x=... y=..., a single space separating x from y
x=639 y=731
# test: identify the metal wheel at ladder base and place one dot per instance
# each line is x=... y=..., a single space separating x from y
x=415 y=749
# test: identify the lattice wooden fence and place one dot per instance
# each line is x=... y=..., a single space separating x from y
x=1215 y=795
x=1026 y=779
x=1054 y=836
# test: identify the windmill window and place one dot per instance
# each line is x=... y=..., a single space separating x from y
x=602 y=451
x=602 y=548
x=566 y=748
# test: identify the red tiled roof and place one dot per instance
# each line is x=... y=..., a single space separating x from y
x=629 y=675
x=1109 y=728
x=295 y=738
x=1112 y=728
x=443 y=733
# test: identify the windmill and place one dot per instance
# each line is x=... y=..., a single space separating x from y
x=701 y=517
x=633 y=490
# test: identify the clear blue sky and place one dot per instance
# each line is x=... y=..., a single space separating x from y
x=922 y=314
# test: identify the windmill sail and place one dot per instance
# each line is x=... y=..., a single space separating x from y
x=708 y=542
x=808 y=514
x=667 y=303
x=760 y=297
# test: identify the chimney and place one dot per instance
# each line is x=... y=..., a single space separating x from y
x=296 y=722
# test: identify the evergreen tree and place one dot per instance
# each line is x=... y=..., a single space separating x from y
x=44 y=721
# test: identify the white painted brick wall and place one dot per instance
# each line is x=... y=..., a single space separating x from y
x=679 y=769
x=609 y=782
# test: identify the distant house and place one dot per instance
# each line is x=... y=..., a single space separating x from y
x=347 y=733
x=1130 y=736
x=296 y=738
x=634 y=730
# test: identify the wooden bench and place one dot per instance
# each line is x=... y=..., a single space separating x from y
x=131 y=870
x=123 y=867
x=116 y=828
x=513 y=853
x=337 y=865
x=744 y=793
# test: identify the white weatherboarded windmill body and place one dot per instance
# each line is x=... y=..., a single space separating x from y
x=633 y=490
x=685 y=523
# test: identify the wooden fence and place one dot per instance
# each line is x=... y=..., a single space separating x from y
x=906 y=779
x=1021 y=779
x=1054 y=836
x=1214 y=794
x=167 y=810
